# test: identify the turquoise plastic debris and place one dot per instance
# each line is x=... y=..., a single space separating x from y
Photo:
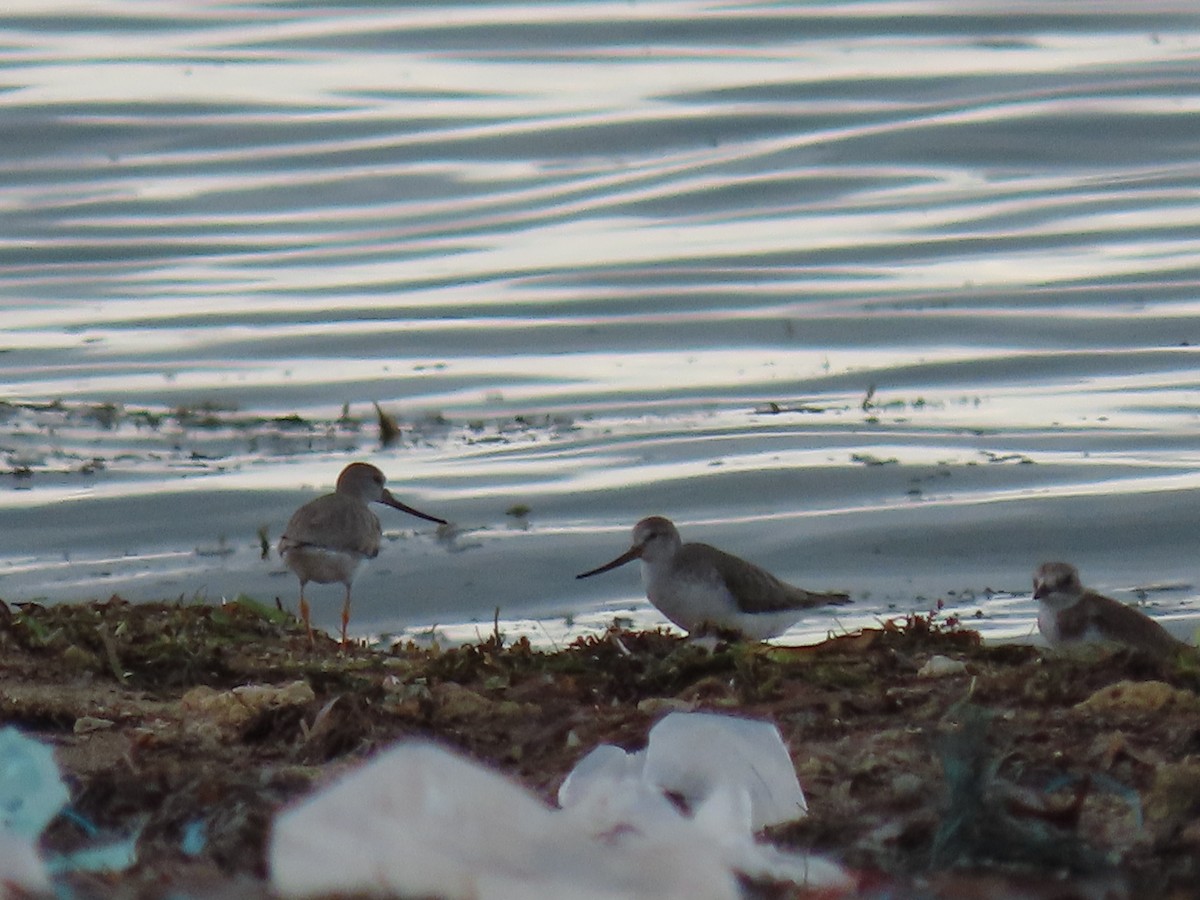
x=32 y=793
x=31 y=790
x=115 y=857
x=195 y=836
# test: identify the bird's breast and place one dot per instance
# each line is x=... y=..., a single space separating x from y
x=321 y=564
x=689 y=599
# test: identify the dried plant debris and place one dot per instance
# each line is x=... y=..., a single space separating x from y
x=96 y=440
x=189 y=727
x=389 y=428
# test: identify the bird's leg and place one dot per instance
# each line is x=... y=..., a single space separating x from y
x=345 y=615
x=304 y=617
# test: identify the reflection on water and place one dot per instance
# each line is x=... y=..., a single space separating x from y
x=890 y=298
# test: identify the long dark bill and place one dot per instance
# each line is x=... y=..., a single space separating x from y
x=403 y=507
x=628 y=556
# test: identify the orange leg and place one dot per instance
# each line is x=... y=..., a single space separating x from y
x=345 y=615
x=304 y=616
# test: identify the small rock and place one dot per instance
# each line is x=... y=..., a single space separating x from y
x=407 y=699
x=908 y=786
x=457 y=702
x=942 y=666
x=232 y=709
x=1174 y=798
x=653 y=706
x=1139 y=696
x=76 y=657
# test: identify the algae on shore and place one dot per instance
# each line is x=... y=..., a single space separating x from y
x=186 y=719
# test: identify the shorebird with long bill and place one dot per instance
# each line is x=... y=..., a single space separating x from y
x=701 y=588
x=327 y=538
x=1068 y=614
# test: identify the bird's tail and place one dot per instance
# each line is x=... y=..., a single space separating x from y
x=814 y=598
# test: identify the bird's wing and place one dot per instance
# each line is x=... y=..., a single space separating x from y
x=756 y=589
x=1135 y=627
x=334 y=522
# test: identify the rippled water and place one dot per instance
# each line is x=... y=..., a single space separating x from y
x=898 y=298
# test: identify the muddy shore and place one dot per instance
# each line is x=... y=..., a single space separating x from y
x=933 y=763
